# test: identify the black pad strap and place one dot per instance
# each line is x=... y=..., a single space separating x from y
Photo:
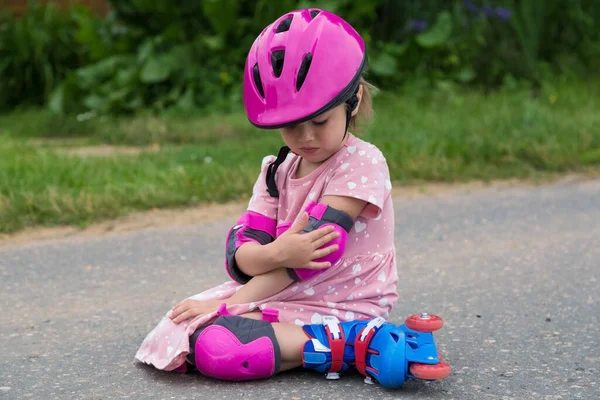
x=330 y=216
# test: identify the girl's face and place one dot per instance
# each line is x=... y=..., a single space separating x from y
x=318 y=139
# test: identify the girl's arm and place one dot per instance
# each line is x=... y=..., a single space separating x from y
x=261 y=287
x=255 y=259
x=258 y=288
x=293 y=249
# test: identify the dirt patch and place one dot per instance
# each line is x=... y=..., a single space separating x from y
x=106 y=150
x=78 y=147
x=211 y=212
x=136 y=221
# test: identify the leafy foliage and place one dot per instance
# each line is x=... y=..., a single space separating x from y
x=36 y=52
x=184 y=55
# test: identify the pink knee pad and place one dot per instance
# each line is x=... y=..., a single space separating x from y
x=237 y=349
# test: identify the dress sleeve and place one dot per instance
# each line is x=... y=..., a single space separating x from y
x=261 y=202
x=363 y=174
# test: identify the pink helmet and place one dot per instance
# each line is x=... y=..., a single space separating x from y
x=303 y=64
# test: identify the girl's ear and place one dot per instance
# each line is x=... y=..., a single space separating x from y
x=359 y=96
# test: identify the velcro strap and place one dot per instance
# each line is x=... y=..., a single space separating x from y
x=316 y=209
x=323 y=214
x=270 y=315
x=361 y=344
x=336 y=344
x=258 y=221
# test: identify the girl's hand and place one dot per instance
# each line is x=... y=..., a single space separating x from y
x=189 y=309
x=294 y=249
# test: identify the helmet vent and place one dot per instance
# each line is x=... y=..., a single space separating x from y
x=304 y=67
x=277 y=58
x=258 y=81
x=314 y=13
x=284 y=25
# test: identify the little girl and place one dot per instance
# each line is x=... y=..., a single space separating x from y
x=316 y=244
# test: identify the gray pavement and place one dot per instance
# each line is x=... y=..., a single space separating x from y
x=514 y=272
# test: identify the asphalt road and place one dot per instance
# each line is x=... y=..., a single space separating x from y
x=514 y=272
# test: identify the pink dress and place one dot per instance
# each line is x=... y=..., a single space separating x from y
x=362 y=284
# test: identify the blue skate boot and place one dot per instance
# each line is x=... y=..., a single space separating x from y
x=379 y=350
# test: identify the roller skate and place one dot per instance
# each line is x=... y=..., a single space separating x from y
x=379 y=350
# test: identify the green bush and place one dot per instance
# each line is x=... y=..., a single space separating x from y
x=467 y=41
x=36 y=52
x=160 y=73
x=183 y=55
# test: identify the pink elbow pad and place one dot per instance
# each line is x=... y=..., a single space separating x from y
x=251 y=226
x=321 y=215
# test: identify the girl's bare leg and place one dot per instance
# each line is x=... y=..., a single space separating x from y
x=291 y=340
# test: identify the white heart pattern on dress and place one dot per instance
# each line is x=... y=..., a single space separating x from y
x=351 y=185
x=362 y=153
x=388 y=184
x=310 y=291
x=381 y=276
x=316 y=319
x=349 y=315
x=299 y=323
x=359 y=226
x=356 y=268
x=364 y=179
x=383 y=302
x=372 y=199
x=345 y=165
x=351 y=149
x=311 y=195
x=374 y=161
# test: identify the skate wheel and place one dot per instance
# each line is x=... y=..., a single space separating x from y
x=428 y=372
x=424 y=322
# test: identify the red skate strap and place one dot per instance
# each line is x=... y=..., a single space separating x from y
x=360 y=350
x=337 y=350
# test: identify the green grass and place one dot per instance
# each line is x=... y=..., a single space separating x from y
x=140 y=130
x=431 y=137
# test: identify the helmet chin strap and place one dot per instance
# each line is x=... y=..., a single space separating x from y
x=271 y=184
x=350 y=106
